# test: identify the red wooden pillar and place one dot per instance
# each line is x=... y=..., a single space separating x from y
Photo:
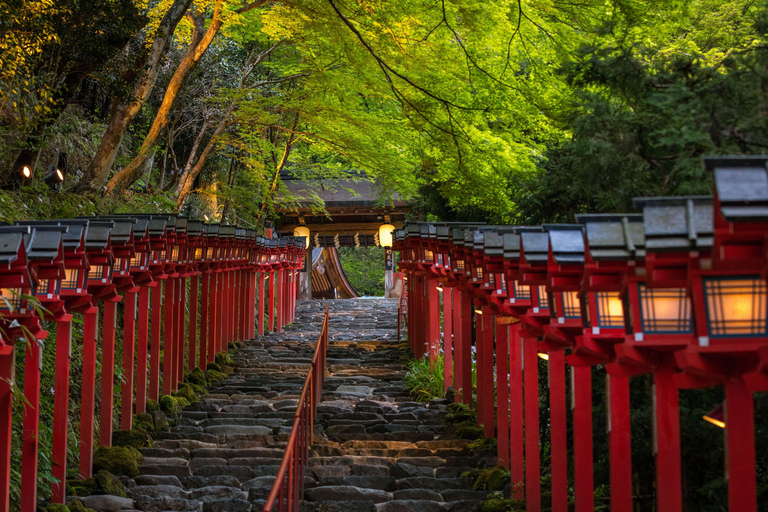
x=262 y=279
x=60 y=408
x=458 y=346
x=107 y=381
x=143 y=345
x=129 y=341
x=466 y=348
x=7 y=362
x=434 y=320
x=558 y=431
x=226 y=309
x=502 y=393
x=193 y=297
x=532 y=449
x=740 y=446
x=668 y=474
x=204 y=314
x=619 y=443
x=582 y=439
x=485 y=393
x=216 y=317
x=88 y=397
x=271 y=307
x=241 y=305
x=154 y=357
x=168 y=339
x=279 y=285
x=212 y=315
x=252 y=308
x=31 y=424
x=448 y=337
x=414 y=298
x=181 y=316
x=516 y=453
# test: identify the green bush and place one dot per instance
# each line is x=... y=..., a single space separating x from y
x=424 y=380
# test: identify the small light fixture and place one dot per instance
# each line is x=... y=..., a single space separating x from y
x=205 y=217
x=440 y=288
x=716 y=416
x=26 y=172
x=302 y=231
x=479 y=311
x=544 y=356
x=54 y=178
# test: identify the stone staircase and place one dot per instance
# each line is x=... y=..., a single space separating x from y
x=376 y=450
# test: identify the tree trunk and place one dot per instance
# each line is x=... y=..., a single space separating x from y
x=123 y=112
x=197 y=49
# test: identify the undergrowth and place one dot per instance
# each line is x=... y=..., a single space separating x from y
x=424 y=379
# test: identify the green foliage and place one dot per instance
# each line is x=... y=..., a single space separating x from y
x=469 y=431
x=501 y=505
x=364 y=268
x=424 y=379
x=483 y=444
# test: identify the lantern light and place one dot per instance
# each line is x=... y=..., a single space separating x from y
x=544 y=356
x=479 y=311
x=440 y=288
x=736 y=307
x=302 y=231
x=716 y=416
x=385 y=235
x=26 y=171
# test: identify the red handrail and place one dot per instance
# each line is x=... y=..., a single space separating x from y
x=288 y=489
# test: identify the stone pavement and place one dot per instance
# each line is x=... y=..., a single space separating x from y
x=376 y=449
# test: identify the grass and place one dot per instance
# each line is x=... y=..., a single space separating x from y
x=424 y=380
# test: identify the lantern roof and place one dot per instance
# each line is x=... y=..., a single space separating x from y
x=156 y=227
x=73 y=238
x=45 y=242
x=741 y=185
x=511 y=246
x=122 y=230
x=11 y=242
x=677 y=223
x=535 y=246
x=97 y=236
x=181 y=225
x=493 y=244
x=566 y=242
x=614 y=236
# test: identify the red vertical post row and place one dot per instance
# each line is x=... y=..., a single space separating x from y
x=262 y=276
x=88 y=396
x=154 y=357
x=531 y=405
x=252 y=308
x=31 y=424
x=168 y=339
x=193 y=295
x=204 y=313
x=60 y=408
x=433 y=303
x=740 y=446
x=667 y=441
x=516 y=453
x=271 y=310
x=219 y=312
x=129 y=340
x=558 y=431
x=107 y=381
x=448 y=337
x=414 y=299
x=459 y=362
x=142 y=347
x=466 y=348
x=279 y=285
x=583 y=472
x=485 y=391
x=619 y=443
x=7 y=362
x=212 y=316
x=181 y=309
x=502 y=394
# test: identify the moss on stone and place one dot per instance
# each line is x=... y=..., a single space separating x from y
x=495 y=505
x=199 y=390
x=483 y=444
x=170 y=406
x=491 y=479
x=223 y=358
x=118 y=460
x=468 y=431
x=213 y=367
x=152 y=406
x=109 y=484
x=76 y=505
x=84 y=487
x=138 y=438
x=197 y=376
x=216 y=376
x=143 y=421
x=187 y=393
x=56 y=507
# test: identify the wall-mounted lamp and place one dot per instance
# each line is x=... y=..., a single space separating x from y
x=440 y=288
x=716 y=416
x=544 y=356
x=479 y=311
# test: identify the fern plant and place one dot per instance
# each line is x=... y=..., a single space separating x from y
x=424 y=379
